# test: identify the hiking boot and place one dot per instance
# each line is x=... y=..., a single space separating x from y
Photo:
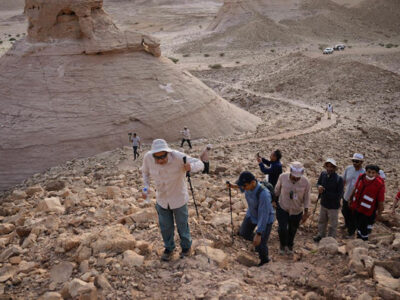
x=289 y=250
x=263 y=262
x=167 y=255
x=317 y=238
x=282 y=251
x=185 y=253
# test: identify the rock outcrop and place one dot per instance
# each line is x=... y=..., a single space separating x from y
x=76 y=85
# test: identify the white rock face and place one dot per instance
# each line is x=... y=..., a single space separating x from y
x=132 y=259
x=51 y=205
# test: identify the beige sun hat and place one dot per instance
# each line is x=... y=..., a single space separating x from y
x=296 y=169
x=159 y=145
x=331 y=161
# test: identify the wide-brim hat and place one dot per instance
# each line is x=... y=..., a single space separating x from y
x=331 y=161
x=296 y=169
x=159 y=145
x=358 y=156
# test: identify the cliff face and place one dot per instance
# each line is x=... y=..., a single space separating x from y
x=59 y=103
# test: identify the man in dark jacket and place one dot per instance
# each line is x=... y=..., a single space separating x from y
x=330 y=187
x=274 y=164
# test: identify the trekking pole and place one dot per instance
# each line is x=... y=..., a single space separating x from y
x=315 y=209
x=197 y=211
x=230 y=204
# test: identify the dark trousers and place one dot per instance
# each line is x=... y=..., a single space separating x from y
x=206 y=167
x=247 y=232
x=135 y=152
x=348 y=216
x=288 y=225
x=362 y=223
x=188 y=141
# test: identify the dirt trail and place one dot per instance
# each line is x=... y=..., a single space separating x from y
x=322 y=124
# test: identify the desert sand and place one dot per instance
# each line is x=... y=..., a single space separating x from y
x=96 y=238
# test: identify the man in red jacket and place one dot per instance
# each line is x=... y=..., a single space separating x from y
x=367 y=200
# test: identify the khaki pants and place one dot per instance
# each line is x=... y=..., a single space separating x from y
x=329 y=114
x=326 y=216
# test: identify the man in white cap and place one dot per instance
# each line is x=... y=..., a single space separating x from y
x=168 y=170
x=205 y=158
x=350 y=177
x=330 y=187
x=186 y=137
x=293 y=190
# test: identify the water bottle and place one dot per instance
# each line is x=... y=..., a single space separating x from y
x=145 y=191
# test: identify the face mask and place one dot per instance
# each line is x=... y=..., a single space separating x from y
x=369 y=178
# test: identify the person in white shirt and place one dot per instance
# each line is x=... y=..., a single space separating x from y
x=329 y=109
x=136 y=145
x=168 y=170
x=186 y=137
x=350 y=177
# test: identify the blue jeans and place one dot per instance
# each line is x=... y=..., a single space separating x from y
x=247 y=231
x=167 y=227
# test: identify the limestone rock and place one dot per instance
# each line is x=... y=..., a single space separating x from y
x=51 y=296
x=55 y=185
x=387 y=293
x=396 y=242
x=18 y=195
x=228 y=287
x=77 y=287
x=132 y=259
x=221 y=220
x=26 y=266
x=360 y=262
x=393 y=266
x=12 y=250
x=6 y=228
x=247 y=260
x=328 y=245
x=144 y=247
x=32 y=190
x=83 y=253
x=7 y=272
x=357 y=243
x=384 y=278
x=114 y=238
x=216 y=255
x=364 y=296
x=61 y=272
x=102 y=282
x=51 y=205
x=312 y=296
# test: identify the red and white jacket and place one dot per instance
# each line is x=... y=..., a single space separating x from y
x=367 y=194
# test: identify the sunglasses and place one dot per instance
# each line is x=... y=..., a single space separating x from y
x=356 y=161
x=160 y=157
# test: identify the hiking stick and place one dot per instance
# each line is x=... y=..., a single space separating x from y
x=197 y=212
x=230 y=204
x=315 y=209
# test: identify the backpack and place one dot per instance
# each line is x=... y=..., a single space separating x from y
x=265 y=185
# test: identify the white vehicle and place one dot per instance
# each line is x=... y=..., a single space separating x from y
x=328 y=51
x=339 y=47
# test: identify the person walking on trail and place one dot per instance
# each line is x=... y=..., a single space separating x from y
x=293 y=190
x=395 y=202
x=274 y=166
x=205 y=158
x=329 y=110
x=259 y=216
x=166 y=167
x=135 y=145
x=367 y=200
x=186 y=137
x=350 y=177
x=330 y=187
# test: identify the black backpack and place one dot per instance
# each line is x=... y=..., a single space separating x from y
x=265 y=185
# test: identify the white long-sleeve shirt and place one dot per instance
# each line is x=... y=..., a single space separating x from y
x=186 y=134
x=169 y=179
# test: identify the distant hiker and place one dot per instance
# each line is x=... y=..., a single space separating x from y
x=260 y=214
x=350 y=177
x=293 y=190
x=274 y=164
x=367 y=200
x=186 y=137
x=165 y=166
x=329 y=110
x=135 y=145
x=395 y=202
x=205 y=158
x=330 y=186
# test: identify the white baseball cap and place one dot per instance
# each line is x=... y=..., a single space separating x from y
x=159 y=145
x=357 y=156
x=296 y=169
x=331 y=161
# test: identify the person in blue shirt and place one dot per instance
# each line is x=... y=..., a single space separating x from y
x=260 y=214
x=274 y=166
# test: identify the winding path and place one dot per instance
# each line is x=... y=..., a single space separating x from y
x=322 y=124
